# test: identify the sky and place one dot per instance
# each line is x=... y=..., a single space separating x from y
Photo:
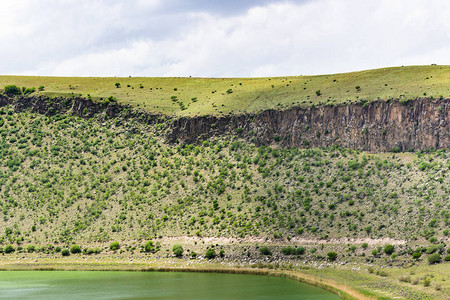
x=218 y=38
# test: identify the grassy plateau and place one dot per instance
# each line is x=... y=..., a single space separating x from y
x=200 y=96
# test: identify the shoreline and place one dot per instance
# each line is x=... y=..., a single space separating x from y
x=343 y=291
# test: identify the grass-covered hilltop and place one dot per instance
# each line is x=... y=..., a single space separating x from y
x=202 y=96
x=344 y=176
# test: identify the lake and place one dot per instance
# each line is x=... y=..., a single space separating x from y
x=152 y=285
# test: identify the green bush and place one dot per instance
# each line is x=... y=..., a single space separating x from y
x=9 y=249
x=264 y=250
x=288 y=250
x=447 y=258
x=65 y=252
x=416 y=255
x=210 y=254
x=75 y=249
x=389 y=249
x=434 y=258
x=12 y=90
x=114 y=246
x=177 y=250
x=31 y=248
x=299 y=250
x=332 y=256
x=149 y=247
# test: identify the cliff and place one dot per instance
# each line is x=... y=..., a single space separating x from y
x=377 y=126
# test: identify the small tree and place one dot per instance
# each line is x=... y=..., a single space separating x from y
x=299 y=250
x=434 y=258
x=318 y=93
x=9 y=249
x=210 y=254
x=332 y=256
x=264 y=250
x=117 y=84
x=149 y=247
x=75 y=249
x=177 y=250
x=389 y=249
x=114 y=246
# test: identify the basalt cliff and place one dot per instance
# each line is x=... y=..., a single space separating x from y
x=376 y=126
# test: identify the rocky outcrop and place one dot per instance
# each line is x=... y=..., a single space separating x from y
x=377 y=126
x=78 y=106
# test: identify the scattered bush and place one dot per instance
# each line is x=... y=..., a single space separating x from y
x=332 y=256
x=210 y=254
x=264 y=250
x=149 y=247
x=177 y=250
x=65 y=252
x=434 y=258
x=9 y=249
x=12 y=90
x=114 y=246
x=75 y=249
x=299 y=250
x=389 y=249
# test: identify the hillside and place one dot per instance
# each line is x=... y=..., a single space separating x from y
x=203 y=96
x=65 y=179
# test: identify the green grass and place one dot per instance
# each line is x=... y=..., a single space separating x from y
x=239 y=95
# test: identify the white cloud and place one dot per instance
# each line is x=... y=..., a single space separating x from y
x=117 y=38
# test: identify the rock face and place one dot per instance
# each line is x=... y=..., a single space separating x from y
x=377 y=126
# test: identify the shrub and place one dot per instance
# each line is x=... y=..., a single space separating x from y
x=288 y=250
x=416 y=255
x=41 y=88
x=75 y=249
x=149 y=247
x=210 y=254
x=434 y=258
x=65 y=252
x=177 y=249
x=31 y=248
x=264 y=250
x=332 y=256
x=58 y=249
x=12 y=90
x=299 y=250
x=389 y=249
x=318 y=93
x=9 y=249
x=117 y=84
x=114 y=246
x=222 y=253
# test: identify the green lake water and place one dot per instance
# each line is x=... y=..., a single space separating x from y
x=152 y=285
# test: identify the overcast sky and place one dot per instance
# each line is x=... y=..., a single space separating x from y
x=219 y=38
